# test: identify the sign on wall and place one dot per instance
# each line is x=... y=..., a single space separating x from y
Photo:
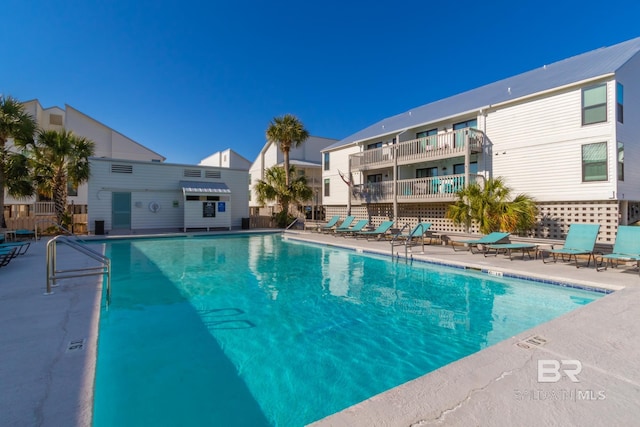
x=208 y=209
x=222 y=206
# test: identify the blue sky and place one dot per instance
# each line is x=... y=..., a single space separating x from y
x=189 y=78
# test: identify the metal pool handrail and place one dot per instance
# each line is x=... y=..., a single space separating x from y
x=54 y=274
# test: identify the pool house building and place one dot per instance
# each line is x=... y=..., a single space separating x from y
x=132 y=197
x=561 y=133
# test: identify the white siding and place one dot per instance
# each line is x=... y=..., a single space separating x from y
x=158 y=182
x=339 y=161
x=193 y=214
x=270 y=155
x=537 y=147
x=226 y=159
x=109 y=143
x=629 y=132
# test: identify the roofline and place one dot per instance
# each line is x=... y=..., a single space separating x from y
x=113 y=130
x=488 y=106
x=555 y=89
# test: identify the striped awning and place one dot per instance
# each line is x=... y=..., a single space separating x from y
x=204 y=187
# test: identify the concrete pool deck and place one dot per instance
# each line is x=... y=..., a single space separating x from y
x=48 y=347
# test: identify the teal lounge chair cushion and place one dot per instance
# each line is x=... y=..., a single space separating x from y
x=382 y=229
x=358 y=226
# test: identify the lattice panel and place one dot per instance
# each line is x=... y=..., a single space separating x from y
x=554 y=219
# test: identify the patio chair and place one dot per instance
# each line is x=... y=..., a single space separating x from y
x=625 y=248
x=418 y=232
x=345 y=224
x=329 y=225
x=377 y=233
x=413 y=237
x=580 y=240
x=25 y=234
x=21 y=247
x=508 y=249
x=6 y=255
x=358 y=226
x=489 y=239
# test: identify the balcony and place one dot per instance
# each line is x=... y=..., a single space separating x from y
x=435 y=147
x=418 y=190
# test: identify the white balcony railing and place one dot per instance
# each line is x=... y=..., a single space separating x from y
x=444 y=188
x=444 y=145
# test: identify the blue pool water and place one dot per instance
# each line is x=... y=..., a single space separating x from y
x=254 y=330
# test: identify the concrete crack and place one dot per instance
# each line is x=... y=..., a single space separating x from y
x=440 y=419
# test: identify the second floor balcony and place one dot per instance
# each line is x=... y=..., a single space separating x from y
x=434 y=189
x=445 y=145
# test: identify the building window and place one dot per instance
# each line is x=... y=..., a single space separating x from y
x=374 y=145
x=620 y=161
x=594 y=104
x=620 y=102
x=467 y=124
x=55 y=119
x=594 y=162
x=326 y=161
x=426 y=133
x=72 y=190
x=458 y=168
x=374 y=178
x=459 y=136
x=326 y=187
x=426 y=172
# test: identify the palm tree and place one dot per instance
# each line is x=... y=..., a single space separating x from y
x=17 y=124
x=492 y=208
x=287 y=131
x=59 y=158
x=273 y=188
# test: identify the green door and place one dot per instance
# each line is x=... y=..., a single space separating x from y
x=121 y=211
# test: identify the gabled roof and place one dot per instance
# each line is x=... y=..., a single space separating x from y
x=599 y=62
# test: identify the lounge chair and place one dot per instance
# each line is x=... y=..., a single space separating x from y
x=413 y=237
x=508 y=248
x=358 y=226
x=489 y=239
x=625 y=248
x=345 y=224
x=21 y=247
x=580 y=240
x=377 y=233
x=25 y=234
x=6 y=255
x=329 y=225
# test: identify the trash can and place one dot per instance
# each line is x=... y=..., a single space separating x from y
x=99 y=228
x=245 y=223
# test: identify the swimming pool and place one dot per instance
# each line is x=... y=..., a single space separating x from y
x=254 y=330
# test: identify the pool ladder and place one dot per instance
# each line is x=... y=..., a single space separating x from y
x=54 y=274
x=406 y=243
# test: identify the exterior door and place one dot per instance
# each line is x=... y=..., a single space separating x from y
x=121 y=211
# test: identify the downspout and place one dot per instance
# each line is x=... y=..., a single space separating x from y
x=395 y=175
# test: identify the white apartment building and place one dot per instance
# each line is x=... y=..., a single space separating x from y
x=226 y=159
x=308 y=161
x=108 y=144
x=561 y=133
